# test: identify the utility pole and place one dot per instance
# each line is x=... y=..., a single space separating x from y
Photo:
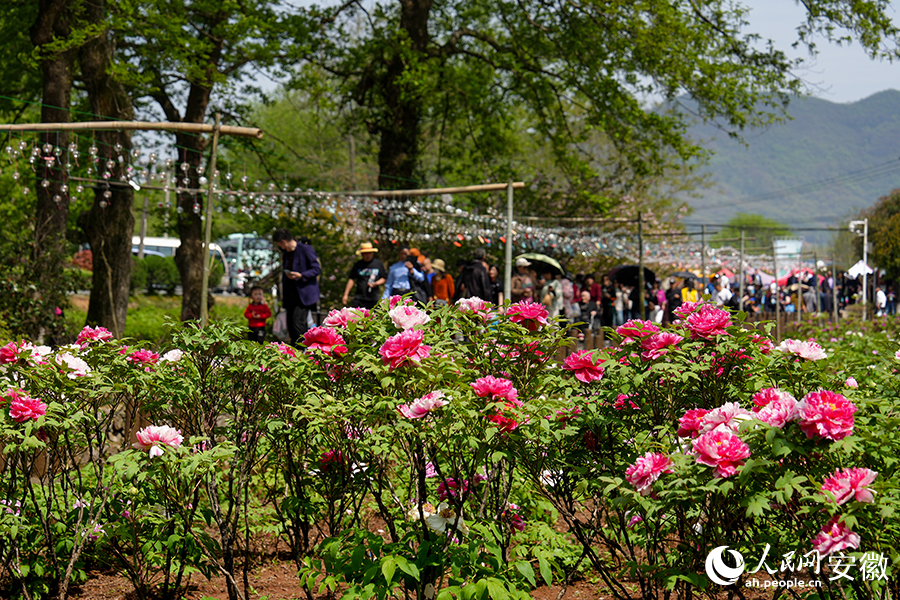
x=854 y=228
x=507 y=269
x=204 y=285
x=352 y=163
x=834 y=296
x=143 y=226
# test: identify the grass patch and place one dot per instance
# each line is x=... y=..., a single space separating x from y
x=147 y=315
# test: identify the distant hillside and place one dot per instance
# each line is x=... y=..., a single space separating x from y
x=855 y=146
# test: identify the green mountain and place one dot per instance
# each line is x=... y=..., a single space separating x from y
x=824 y=164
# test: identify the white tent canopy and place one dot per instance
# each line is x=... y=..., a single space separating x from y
x=858 y=269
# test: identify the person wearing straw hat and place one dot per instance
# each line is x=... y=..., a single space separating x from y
x=368 y=273
x=442 y=285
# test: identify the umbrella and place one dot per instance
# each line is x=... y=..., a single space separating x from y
x=858 y=269
x=544 y=261
x=683 y=275
x=628 y=275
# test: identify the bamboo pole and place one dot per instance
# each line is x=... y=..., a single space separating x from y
x=204 y=285
x=640 y=267
x=777 y=295
x=741 y=276
x=253 y=132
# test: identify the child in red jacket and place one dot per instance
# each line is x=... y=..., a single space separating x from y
x=256 y=313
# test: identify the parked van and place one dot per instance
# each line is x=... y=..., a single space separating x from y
x=165 y=246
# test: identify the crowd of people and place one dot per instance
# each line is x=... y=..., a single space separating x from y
x=588 y=301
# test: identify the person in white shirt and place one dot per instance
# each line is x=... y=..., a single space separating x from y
x=723 y=294
x=880 y=302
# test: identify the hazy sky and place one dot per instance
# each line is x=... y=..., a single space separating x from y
x=838 y=74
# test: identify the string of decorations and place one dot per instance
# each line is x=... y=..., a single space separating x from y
x=408 y=220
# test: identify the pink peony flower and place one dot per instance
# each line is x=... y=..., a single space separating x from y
x=834 y=537
x=619 y=404
x=395 y=300
x=721 y=449
x=422 y=406
x=851 y=383
x=23 y=407
x=283 y=348
x=449 y=488
x=405 y=348
x=657 y=346
x=144 y=357
x=765 y=344
x=511 y=515
x=341 y=318
x=89 y=335
x=495 y=388
x=430 y=470
x=687 y=308
x=807 y=350
x=325 y=339
x=727 y=417
x=11 y=353
x=407 y=316
x=851 y=484
x=503 y=422
x=774 y=407
x=530 y=314
x=330 y=460
x=475 y=306
x=708 y=322
x=636 y=328
x=584 y=366
x=74 y=366
x=826 y=414
x=896 y=355
x=156 y=436
x=646 y=470
x=689 y=424
x=635 y=519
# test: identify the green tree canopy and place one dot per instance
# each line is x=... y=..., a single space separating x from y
x=762 y=229
x=884 y=233
x=465 y=67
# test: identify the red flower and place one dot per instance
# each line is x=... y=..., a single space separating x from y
x=405 y=348
x=709 y=321
x=834 y=537
x=689 y=425
x=636 y=328
x=657 y=346
x=721 y=449
x=646 y=470
x=325 y=339
x=826 y=414
x=530 y=314
x=584 y=365
x=23 y=407
x=495 y=388
x=93 y=334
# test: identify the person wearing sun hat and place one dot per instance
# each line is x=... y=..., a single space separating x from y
x=522 y=283
x=442 y=283
x=368 y=273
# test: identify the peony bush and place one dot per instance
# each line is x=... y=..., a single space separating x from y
x=454 y=452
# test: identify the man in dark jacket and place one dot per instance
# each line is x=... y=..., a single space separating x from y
x=299 y=281
x=474 y=281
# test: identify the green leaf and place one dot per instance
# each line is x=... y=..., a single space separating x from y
x=546 y=571
x=524 y=567
x=388 y=567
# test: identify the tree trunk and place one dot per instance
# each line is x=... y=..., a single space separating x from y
x=52 y=211
x=398 y=155
x=189 y=257
x=110 y=222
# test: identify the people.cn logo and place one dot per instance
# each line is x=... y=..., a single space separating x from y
x=721 y=573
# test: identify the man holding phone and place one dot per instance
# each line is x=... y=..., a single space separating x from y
x=299 y=281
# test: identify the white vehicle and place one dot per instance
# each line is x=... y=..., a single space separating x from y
x=165 y=246
x=249 y=257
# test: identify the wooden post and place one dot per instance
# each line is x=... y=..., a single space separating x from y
x=204 y=285
x=834 y=298
x=799 y=285
x=507 y=268
x=640 y=266
x=777 y=295
x=741 y=275
x=702 y=259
